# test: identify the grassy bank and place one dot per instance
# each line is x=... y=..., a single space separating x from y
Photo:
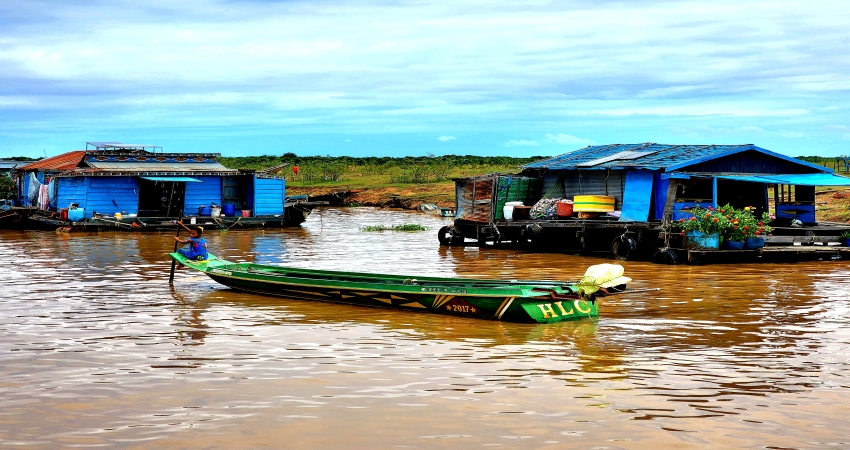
x=380 y=181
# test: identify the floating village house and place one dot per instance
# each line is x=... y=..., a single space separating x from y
x=646 y=186
x=137 y=181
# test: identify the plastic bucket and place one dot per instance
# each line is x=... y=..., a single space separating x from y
x=228 y=210
x=215 y=211
x=508 y=211
x=204 y=211
x=565 y=208
x=246 y=213
x=754 y=243
x=63 y=213
x=76 y=215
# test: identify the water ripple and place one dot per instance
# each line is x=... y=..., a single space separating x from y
x=98 y=350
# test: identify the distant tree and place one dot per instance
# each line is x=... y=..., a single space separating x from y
x=7 y=188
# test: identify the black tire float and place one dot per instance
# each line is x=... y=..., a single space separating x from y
x=449 y=236
x=623 y=247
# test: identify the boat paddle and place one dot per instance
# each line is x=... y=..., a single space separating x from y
x=176 y=243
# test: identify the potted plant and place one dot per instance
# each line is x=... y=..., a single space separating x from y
x=752 y=228
x=734 y=236
x=704 y=228
x=846 y=238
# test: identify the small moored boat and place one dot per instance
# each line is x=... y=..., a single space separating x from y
x=510 y=300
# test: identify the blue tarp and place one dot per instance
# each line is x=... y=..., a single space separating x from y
x=637 y=196
x=804 y=179
x=177 y=179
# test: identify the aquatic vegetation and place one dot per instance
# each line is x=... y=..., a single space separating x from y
x=410 y=227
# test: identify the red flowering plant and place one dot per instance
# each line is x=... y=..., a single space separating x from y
x=744 y=224
x=705 y=220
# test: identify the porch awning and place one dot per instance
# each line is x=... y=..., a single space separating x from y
x=176 y=179
x=801 y=179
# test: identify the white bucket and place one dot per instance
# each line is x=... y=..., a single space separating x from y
x=508 y=210
x=215 y=211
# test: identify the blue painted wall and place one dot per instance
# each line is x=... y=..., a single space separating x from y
x=202 y=194
x=268 y=196
x=71 y=190
x=109 y=195
x=659 y=193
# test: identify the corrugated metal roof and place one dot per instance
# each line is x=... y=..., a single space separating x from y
x=7 y=165
x=65 y=161
x=805 y=179
x=129 y=166
x=663 y=156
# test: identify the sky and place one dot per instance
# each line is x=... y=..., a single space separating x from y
x=398 y=78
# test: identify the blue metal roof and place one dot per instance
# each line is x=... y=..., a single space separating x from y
x=804 y=179
x=656 y=156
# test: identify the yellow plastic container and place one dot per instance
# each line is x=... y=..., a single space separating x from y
x=593 y=203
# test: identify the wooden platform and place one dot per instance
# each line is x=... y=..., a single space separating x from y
x=695 y=255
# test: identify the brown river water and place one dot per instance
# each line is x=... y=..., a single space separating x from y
x=96 y=350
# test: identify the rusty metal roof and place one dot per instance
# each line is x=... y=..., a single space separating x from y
x=65 y=161
x=128 y=166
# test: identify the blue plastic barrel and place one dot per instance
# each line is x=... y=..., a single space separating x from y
x=205 y=211
x=228 y=210
x=76 y=215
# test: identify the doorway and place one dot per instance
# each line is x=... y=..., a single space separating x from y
x=161 y=198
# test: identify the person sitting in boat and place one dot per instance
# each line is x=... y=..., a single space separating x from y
x=197 y=245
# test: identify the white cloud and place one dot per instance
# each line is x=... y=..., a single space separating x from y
x=567 y=139
x=846 y=137
x=521 y=143
x=837 y=128
x=791 y=134
x=258 y=68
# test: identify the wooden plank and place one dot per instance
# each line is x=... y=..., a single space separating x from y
x=805 y=249
x=791 y=240
x=668 y=207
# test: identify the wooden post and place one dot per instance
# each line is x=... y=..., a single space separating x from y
x=776 y=200
x=667 y=218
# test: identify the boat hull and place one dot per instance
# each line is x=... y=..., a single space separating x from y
x=508 y=301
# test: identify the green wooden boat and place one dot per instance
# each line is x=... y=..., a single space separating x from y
x=510 y=300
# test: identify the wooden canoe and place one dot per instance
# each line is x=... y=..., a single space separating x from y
x=510 y=300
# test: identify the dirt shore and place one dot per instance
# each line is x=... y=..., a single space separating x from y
x=408 y=197
x=832 y=205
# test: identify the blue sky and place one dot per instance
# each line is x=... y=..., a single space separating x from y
x=396 y=78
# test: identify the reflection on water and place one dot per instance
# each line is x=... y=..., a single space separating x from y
x=97 y=350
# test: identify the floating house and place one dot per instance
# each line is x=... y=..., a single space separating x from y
x=633 y=192
x=6 y=168
x=129 y=186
